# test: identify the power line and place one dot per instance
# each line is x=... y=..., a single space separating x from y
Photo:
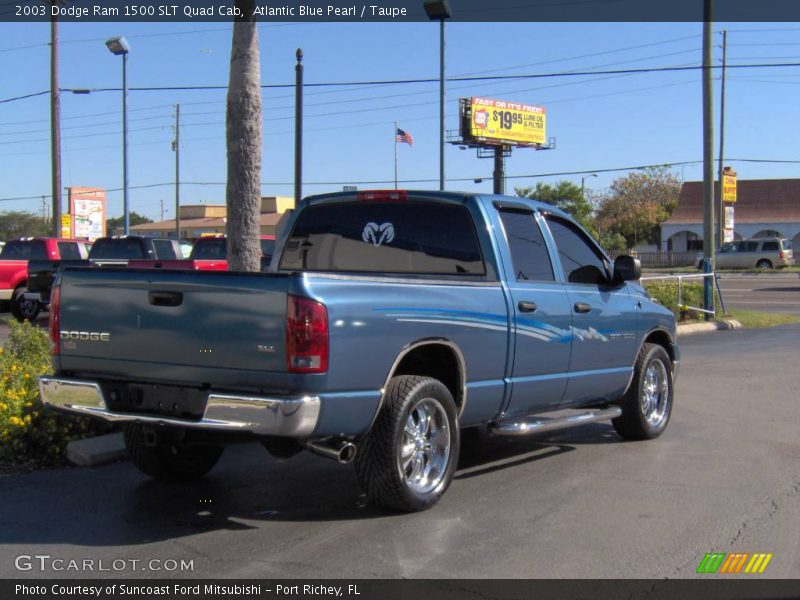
x=431 y=80
x=433 y=180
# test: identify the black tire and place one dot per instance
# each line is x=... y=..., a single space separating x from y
x=637 y=421
x=380 y=457
x=764 y=264
x=22 y=309
x=170 y=462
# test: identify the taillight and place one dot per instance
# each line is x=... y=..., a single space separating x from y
x=55 y=319
x=384 y=195
x=781 y=255
x=306 y=335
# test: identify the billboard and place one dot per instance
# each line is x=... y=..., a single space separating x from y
x=729 y=188
x=87 y=206
x=504 y=123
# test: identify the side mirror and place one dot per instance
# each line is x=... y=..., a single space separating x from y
x=627 y=268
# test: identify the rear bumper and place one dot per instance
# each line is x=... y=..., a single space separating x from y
x=287 y=417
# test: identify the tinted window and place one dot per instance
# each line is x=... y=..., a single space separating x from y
x=576 y=252
x=69 y=251
x=528 y=251
x=749 y=247
x=24 y=250
x=120 y=248
x=164 y=249
x=384 y=237
x=267 y=247
x=770 y=247
x=209 y=248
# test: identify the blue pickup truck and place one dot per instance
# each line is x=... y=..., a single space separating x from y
x=389 y=322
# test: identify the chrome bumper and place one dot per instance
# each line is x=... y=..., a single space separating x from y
x=288 y=417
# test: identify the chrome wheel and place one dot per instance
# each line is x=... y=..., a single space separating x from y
x=655 y=393
x=425 y=446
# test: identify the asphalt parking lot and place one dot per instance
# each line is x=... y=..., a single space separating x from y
x=724 y=477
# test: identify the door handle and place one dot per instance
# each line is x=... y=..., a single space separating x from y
x=582 y=307
x=526 y=306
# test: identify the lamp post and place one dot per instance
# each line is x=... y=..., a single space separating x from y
x=584 y=178
x=439 y=10
x=120 y=46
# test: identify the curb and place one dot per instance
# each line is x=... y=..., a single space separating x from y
x=695 y=328
x=95 y=451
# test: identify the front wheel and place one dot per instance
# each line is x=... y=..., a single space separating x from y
x=647 y=405
x=407 y=461
x=169 y=461
x=23 y=309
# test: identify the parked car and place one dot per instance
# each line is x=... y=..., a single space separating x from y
x=756 y=253
x=209 y=253
x=106 y=251
x=14 y=259
x=389 y=321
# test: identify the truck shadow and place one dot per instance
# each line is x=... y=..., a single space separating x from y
x=115 y=505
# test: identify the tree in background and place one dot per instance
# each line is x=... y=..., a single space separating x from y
x=134 y=218
x=635 y=206
x=243 y=135
x=16 y=224
x=564 y=195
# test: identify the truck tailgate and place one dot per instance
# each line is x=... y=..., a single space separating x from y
x=194 y=328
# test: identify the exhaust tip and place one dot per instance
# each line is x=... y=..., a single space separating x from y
x=347 y=452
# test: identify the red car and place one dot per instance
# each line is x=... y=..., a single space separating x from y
x=14 y=268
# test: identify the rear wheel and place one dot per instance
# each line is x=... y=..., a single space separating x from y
x=22 y=309
x=170 y=461
x=763 y=264
x=647 y=405
x=408 y=459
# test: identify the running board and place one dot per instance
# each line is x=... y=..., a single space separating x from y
x=540 y=424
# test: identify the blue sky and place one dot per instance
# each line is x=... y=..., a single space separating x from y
x=599 y=121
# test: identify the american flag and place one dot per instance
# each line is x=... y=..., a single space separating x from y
x=403 y=137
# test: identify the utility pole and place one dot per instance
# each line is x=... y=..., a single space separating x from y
x=176 y=146
x=55 y=124
x=721 y=204
x=298 y=127
x=162 y=209
x=708 y=160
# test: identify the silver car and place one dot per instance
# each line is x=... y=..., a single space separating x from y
x=758 y=253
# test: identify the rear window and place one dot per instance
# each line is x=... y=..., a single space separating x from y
x=117 y=248
x=69 y=251
x=164 y=249
x=209 y=249
x=787 y=245
x=24 y=250
x=384 y=237
x=770 y=247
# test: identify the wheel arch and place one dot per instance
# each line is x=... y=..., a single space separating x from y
x=439 y=358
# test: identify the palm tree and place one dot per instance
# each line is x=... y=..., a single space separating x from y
x=243 y=134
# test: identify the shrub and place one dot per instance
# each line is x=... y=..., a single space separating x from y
x=666 y=292
x=28 y=433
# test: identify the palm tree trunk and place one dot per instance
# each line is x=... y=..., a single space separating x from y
x=243 y=133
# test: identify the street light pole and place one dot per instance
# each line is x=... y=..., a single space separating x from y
x=120 y=46
x=583 y=179
x=439 y=10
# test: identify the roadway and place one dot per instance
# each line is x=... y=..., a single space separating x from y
x=767 y=292
x=724 y=477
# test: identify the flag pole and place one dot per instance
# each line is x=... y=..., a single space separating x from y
x=394 y=137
